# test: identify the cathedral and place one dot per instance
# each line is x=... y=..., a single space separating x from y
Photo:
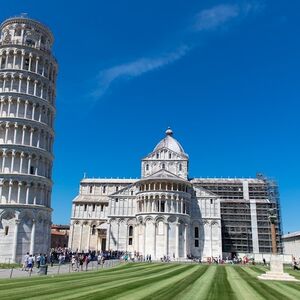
x=166 y=213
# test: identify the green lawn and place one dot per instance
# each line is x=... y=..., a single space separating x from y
x=9 y=266
x=154 y=281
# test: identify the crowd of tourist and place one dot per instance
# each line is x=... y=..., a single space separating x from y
x=79 y=261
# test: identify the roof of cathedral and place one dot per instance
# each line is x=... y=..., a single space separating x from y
x=170 y=143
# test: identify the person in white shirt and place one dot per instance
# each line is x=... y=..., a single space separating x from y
x=30 y=263
x=25 y=262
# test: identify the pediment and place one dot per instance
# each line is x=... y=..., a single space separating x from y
x=175 y=155
x=203 y=193
x=163 y=174
x=125 y=191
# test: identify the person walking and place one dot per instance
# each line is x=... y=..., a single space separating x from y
x=25 y=262
x=30 y=263
x=73 y=262
x=81 y=259
x=38 y=260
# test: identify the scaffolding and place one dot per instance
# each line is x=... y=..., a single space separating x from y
x=237 y=216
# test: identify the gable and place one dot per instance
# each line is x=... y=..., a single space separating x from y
x=175 y=155
x=126 y=191
x=203 y=193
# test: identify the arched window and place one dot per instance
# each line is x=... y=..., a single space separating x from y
x=91 y=189
x=130 y=235
x=170 y=155
x=163 y=166
x=104 y=189
x=157 y=155
x=196 y=232
x=180 y=167
x=162 y=206
x=130 y=231
x=94 y=230
x=147 y=167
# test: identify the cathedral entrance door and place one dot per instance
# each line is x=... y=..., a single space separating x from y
x=103 y=244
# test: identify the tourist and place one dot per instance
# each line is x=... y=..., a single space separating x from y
x=81 y=259
x=38 y=260
x=73 y=263
x=295 y=266
x=30 y=263
x=43 y=259
x=87 y=260
x=99 y=258
x=25 y=263
x=51 y=259
x=60 y=259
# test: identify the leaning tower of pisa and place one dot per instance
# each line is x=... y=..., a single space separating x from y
x=27 y=107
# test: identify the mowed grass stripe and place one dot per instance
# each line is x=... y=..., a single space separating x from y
x=170 y=287
x=105 y=291
x=242 y=290
x=294 y=273
x=292 y=290
x=33 y=281
x=220 y=288
x=260 y=287
x=126 y=269
x=156 y=290
x=200 y=288
x=70 y=279
x=257 y=269
x=283 y=287
x=56 y=285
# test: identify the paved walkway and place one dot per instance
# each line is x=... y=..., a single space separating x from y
x=56 y=269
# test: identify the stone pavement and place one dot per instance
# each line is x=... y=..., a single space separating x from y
x=56 y=269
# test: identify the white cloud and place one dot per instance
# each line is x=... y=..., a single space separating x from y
x=216 y=16
x=219 y=15
x=206 y=20
x=136 y=68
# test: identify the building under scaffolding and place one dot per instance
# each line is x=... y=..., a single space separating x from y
x=245 y=205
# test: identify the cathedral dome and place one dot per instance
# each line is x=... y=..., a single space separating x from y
x=170 y=143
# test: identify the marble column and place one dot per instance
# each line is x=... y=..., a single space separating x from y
x=108 y=236
x=154 y=240
x=80 y=237
x=32 y=238
x=144 y=242
x=167 y=238
x=185 y=240
x=177 y=240
x=88 y=238
x=15 y=241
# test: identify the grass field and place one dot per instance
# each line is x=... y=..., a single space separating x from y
x=9 y=266
x=154 y=281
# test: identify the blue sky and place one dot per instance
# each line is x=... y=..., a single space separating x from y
x=223 y=74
